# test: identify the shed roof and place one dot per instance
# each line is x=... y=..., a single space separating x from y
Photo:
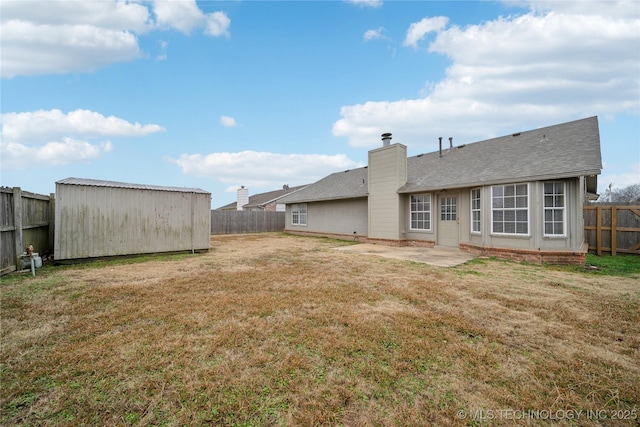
x=114 y=184
x=340 y=185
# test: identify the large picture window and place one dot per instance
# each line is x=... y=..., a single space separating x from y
x=299 y=214
x=510 y=209
x=554 y=209
x=421 y=212
x=475 y=211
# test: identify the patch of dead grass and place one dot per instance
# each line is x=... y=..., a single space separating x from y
x=283 y=330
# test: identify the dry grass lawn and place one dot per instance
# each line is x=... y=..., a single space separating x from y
x=282 y=330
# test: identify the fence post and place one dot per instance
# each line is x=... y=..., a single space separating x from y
x=17 y=224
x=614 y=225
x=52 y=222
x=599 y=230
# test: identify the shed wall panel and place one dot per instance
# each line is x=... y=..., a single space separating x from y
x=96 y=221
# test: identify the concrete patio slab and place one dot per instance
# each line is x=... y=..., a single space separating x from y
x=438 y=256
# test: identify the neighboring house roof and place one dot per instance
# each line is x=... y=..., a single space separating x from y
x=263 y=199
x=340 y=185
x=560 y=151
x=114 y=184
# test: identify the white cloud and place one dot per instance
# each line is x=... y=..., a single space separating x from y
x=228 y=122
x=54 y=153
x=366 y=3
x=43 y=37
x=217 y=24
x=185 y=16
x=529 y=70
x=29 y=48
x=52 y=138
x=418 y=30
x=263 y=169
x=50 y=124
x=374 y=34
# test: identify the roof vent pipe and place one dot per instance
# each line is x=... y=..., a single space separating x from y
x=386 y=139
x=440 y=139
x=450 y=143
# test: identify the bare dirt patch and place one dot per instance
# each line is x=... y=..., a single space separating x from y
x=283 y=330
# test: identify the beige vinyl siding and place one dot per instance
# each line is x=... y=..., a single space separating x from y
x=99 y=221
x=334 y=217
x=387 y=173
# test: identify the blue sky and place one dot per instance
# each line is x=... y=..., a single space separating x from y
x=217 y=94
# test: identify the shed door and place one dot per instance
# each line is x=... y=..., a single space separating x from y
x=448 y=220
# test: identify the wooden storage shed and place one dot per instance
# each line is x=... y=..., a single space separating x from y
x=96 y=218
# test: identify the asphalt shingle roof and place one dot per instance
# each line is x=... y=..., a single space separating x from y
x=262 y=199
x=560 y=151
x=340 y=185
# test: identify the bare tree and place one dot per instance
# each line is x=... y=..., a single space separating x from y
x=630 y=193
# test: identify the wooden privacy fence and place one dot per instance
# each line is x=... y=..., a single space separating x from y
x=25 y=219
x=612 y=228
x=238 y=222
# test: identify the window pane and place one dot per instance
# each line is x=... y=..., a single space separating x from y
x=509 y=190
x=548 y=228
x=509 y=203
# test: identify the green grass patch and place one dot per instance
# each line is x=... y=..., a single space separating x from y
x=619 y=265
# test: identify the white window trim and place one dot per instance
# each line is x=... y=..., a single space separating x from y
x=478 y=232
x=430 y=213
x=564 y=210
x=528 y=233
x=297 y=206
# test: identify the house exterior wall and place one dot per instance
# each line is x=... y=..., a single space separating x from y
x=387 y=172
x=535 y=240
x=94 y=221
x=341 y=217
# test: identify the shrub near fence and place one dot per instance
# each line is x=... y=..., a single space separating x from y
x=612 y=228
x=25 y=219
x=239 y=222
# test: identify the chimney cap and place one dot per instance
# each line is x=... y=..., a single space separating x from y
x=386 y=135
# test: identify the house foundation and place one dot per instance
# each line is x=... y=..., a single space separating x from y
x=533 y=256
